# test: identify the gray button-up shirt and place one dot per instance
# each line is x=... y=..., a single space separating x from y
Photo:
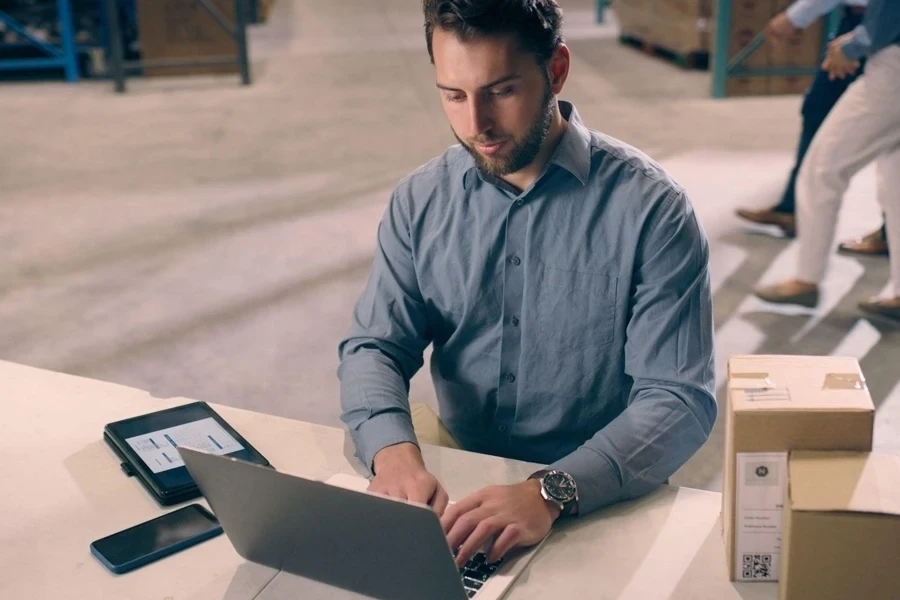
x=571 y=322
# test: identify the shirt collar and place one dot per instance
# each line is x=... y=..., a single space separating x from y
x=574 y=150
x=572 y=154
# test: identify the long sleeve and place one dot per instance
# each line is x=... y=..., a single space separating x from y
x=669 y=355
x=804 y=13
x=384 y=347
x=880 y=28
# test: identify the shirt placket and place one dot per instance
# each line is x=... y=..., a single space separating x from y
x=513 y=297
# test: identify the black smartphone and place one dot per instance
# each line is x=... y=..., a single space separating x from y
x=142 y=544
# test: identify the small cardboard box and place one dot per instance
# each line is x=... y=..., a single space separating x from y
x=777 y=404
x=841 y=527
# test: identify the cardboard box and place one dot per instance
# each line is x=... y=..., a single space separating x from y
x=679 y=26
x=841 y=527
x=184 y=29
x=777 y=404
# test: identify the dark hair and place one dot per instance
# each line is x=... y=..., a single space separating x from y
x=537 y=23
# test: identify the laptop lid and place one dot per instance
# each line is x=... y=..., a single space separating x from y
x=368 y=544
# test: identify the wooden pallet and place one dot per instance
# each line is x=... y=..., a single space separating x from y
x=692 y=60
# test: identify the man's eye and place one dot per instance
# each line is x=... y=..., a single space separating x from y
x=456 y=98
x=503 y=92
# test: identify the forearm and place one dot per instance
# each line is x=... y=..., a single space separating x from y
x=375 y=403
x=661 y=429
x=804 y=13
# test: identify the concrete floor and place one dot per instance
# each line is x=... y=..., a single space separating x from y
x=196 y=238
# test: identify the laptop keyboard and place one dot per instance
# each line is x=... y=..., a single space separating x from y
x=476 y=572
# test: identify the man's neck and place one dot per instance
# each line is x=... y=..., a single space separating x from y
x=522 y=180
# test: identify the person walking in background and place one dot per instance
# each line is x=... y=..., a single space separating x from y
x=863 y=126
x=820 y=98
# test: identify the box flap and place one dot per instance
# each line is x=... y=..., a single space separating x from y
x=792 y=383
x=845 y=481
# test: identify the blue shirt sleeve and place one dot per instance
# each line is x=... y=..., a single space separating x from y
x=385 y=345
x=670 y=357
x=804 y=13
x=880 y=28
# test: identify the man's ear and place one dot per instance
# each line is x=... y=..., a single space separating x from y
x=558 y=68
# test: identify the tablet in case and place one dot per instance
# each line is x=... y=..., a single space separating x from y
x=148 y=446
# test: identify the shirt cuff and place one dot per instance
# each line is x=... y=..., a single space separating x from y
x=858 y=45
x=799 y=18
x=596 y=480
x=379 y=432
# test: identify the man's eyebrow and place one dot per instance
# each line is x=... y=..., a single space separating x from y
x=486 y=86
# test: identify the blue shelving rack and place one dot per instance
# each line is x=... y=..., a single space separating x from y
x=65 y=55
x=602 y=5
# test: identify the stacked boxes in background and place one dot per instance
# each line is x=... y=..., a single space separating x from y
x=748 y=18
x=679 y=26
x=841 y=527
x=687 y=27
x=184 y=29
x=802 y=51
x=778 y=404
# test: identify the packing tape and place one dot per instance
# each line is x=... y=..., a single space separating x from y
x=844 y=381
x=750 y=381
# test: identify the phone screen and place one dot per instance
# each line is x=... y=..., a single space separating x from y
x=174 y=528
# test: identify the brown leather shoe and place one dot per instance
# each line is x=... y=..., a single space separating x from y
x=873 y=244
x=790 y=292
x=882 y=308
x=769 y=216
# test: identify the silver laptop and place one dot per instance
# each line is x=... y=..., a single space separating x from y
x=342 y=536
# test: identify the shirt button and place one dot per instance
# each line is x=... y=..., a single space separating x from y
x=502 y=429
x=519 y=202
x=516 y=261
x=514 y=321
x=510 y=377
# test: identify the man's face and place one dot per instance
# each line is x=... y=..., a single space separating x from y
x=497 y=98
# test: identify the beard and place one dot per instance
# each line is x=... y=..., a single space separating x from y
x=524 y=149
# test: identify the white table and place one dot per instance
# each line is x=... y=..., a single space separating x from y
x=62 y=488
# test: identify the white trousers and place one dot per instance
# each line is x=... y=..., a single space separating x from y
x=863 y=126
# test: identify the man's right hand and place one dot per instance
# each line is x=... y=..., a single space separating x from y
x=780 y=29
x=400 y=473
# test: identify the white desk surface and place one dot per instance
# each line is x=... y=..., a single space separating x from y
x=62 y=488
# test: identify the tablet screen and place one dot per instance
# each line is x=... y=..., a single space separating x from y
x=159 y=449
x=152 y=441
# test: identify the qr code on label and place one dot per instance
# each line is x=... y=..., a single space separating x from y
x=758 y=566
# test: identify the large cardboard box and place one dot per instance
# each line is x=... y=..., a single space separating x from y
x=184 y=29
x=841 y=527
x=777 y=404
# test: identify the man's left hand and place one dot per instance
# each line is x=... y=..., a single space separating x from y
x=514 y=515
x=836 y=64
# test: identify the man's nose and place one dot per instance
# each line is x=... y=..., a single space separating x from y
x=479 y=117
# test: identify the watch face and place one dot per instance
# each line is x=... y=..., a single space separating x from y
x=560 y=486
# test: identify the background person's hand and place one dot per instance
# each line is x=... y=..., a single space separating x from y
x=780 y=29
x=514 y=515
x=400 y=473
x=836 y=64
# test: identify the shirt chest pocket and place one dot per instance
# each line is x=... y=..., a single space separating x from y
x=576 y=309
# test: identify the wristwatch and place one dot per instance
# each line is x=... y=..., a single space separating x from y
x=558 y=487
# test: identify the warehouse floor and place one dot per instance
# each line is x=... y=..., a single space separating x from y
x=196 y=238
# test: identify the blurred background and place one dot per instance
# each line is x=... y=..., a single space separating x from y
x=204 y=229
